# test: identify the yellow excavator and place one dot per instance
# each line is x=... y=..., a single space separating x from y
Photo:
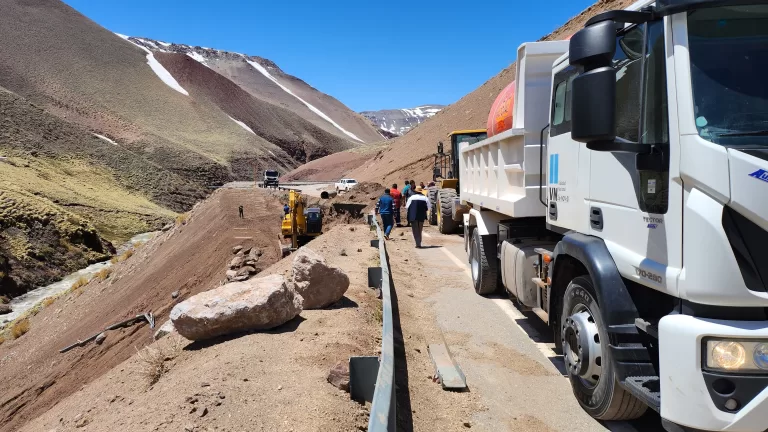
x=301 y=224
x=445 y=174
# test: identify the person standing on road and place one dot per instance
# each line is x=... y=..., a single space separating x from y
x=240 y=211
x=417 y=208
x=385 y=207
x=403 y=197
x=397 y=197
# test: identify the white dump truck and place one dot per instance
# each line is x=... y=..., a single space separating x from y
x=627 y=206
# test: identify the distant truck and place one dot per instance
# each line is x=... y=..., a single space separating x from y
x=345 y=185
x=271 y=178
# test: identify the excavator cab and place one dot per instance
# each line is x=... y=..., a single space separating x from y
x=301 y=224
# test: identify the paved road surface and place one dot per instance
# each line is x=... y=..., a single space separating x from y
x=506 y=355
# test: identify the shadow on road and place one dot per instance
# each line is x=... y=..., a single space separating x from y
x=402 y=387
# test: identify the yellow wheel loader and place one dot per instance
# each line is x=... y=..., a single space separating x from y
x=446 y=214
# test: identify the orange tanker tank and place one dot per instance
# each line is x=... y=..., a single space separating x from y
x=500 y=117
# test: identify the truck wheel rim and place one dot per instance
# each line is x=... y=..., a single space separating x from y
x=581 y=346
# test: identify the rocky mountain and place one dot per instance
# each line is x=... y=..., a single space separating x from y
x=263 y=79
x=104 y=136
x=400 y=121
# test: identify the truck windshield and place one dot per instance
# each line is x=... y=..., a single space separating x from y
x=270 y=173
x=729 y=56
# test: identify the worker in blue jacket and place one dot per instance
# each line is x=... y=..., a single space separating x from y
x=386 y=207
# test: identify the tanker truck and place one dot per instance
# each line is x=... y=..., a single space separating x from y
x=625 y=203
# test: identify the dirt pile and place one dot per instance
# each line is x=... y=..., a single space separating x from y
x=350 y=207
x=411 y=156
x=272 y=380
x=189 y=258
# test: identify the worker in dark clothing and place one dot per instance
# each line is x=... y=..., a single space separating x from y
x=286 y=209
x=385 y=207
x=417 y=208
x=240 y=211
x=408 y=191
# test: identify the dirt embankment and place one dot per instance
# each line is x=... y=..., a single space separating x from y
x=333 y=167
x=190 y=258
x=273 y=380
x=411 y=156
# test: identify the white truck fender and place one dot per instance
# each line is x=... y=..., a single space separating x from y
x=486 y=222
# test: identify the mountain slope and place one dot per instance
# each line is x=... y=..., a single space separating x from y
x=411 y=155
x=301 y=139
x=400 y=121
x=263 y=79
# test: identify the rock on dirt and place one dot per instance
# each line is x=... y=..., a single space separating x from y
x=5 y=309
x=100 y=338
x=318 y=283
x=165 y=330
x=236 y=249
x=257 y=304
x=338 y=376
x=236 y=262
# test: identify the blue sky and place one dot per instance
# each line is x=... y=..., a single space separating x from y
x=368 y=54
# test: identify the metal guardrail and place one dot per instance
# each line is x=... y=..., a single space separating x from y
x=383 y=412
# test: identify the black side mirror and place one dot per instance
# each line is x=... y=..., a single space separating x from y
x=593 y=46
x=593 y=95
x=440 y=147
x=593 y=106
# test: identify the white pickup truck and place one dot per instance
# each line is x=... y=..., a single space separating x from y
x=345 y=185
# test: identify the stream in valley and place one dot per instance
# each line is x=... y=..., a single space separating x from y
x=24 y=302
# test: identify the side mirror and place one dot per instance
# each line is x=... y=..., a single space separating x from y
x=593 y=46
x=593 y=107
x=440 y=147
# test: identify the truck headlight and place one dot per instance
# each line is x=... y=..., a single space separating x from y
x=736 y=355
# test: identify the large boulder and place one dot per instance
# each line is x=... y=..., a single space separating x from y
x=5 y=309
x=318 y=283
x=256 y=304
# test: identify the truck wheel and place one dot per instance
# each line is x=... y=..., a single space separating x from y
x=433 y=202
x=483 y=263
x=588 y=359
x=445 y=222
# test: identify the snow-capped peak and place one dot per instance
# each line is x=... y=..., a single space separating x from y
x=400 y=121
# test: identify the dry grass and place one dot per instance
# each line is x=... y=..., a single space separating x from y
x=2 y=339
x=153 y=360
x=19 y=328
x=182 y=219
x=48 y=301
x=103 y=274
x=114 y=259
x=127 y=254
x=81 y=282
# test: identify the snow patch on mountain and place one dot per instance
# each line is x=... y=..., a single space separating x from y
x=105 y=139
x=157 y=68
x=243 y=125
x=312 y=108
x=400 y=121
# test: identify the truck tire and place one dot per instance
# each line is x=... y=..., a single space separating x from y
x=433 y=202
x=445 y=222
x=588 y=360
x=483 y=263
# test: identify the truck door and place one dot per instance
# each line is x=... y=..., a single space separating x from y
x=629 y=193
x=567 y=162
